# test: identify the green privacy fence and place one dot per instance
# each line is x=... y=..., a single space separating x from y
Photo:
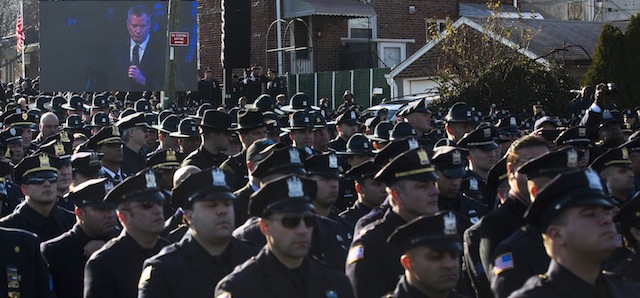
x=332 y=85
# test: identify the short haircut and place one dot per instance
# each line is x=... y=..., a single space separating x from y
x=527 y=141
x=138 y=11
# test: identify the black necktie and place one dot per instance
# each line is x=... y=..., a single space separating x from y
x=135 y=54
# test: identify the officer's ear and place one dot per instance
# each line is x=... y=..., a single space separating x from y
x=264 y=226
x=358 y=187
x=405 y=261
x=23 y=187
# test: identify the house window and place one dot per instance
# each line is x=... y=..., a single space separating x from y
x=434 y=27
x=362 y=27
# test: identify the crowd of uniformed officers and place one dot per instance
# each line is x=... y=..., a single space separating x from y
x=110 y=197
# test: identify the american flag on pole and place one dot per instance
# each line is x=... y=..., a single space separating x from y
x=19 y=34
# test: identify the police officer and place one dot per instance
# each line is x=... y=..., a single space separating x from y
x=628 y=223
x=96 y=224
x=39 y=213
x=419 y=116
x=209 y=89
x=359 y=150
x=85 y=166
x=134 y=129
x=139 y=203
x=500 y=223
x=300 y=131
x=23 y=265
x=188 y=136
x=580 y=137
x=575 y=217
x=207 y=252
x=431 y=247
x=346 y=125
x=108 y=142
x=283 y=268
x=251 y=126
x=449 y=164
x=372 y=264
x=330 y=240
x=215 y=135
x=458 y=121
x=164 y=130
x=483 y=154
x=371 y=193
x=524 y=248
x=614 y=167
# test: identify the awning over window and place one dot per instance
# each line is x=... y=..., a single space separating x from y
x=347 y=8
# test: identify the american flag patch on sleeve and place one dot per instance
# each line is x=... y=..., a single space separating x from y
x=502 y=263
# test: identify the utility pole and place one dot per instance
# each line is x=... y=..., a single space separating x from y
x=169 y=95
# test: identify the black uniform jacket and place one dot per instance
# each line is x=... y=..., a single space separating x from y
x=560 y=282
x=132 y=162
x=527 y=256
x=204 y=159
x=405 y=290
x=185 y=269
x=65 y=255
x=114 y=270
x=24 y=217
x=373 y=265
x=23 y=266
x=498 y=225
x=238 y=165
x=264 y=276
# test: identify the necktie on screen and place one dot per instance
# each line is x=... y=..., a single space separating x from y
x=135 y=54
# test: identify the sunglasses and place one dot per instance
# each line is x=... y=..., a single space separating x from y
x=292 y=221
x=41 y=180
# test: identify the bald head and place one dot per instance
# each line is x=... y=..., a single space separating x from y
x=48 y=125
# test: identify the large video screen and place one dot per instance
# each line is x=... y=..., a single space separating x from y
x=113 y=45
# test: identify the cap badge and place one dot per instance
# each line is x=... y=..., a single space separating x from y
x=450 y=224
x=13 y=131
x=473 y=183
x=594 y=179
x=306 y=119
x=108 y=185
x=115 y=131
x=625 y=153
x=572 y=158
x=64 y=137
x=424 y=158
x=468 y=113
x=333 y=161
x=512 y=121
x=582 y=131
x=44 y=160
x=365 y=145
x=219 y=178
x=171 y=155
x=294 y=185
x=487 y=132
x=58 y=149
x=25 y=116
x=353 y=115
x=413 y=143
x=18 y=111
x=94 y=160
x=294 y=155
x=151 y=179
x=456 y=157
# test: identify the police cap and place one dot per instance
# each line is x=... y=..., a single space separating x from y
x=141 y=187
x=578 y=188
x=92 y=193
x=410 y=165
x=440 y=231
x=207 y=185
x=289 y=194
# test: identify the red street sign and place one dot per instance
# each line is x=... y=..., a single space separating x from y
x=179 y=39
